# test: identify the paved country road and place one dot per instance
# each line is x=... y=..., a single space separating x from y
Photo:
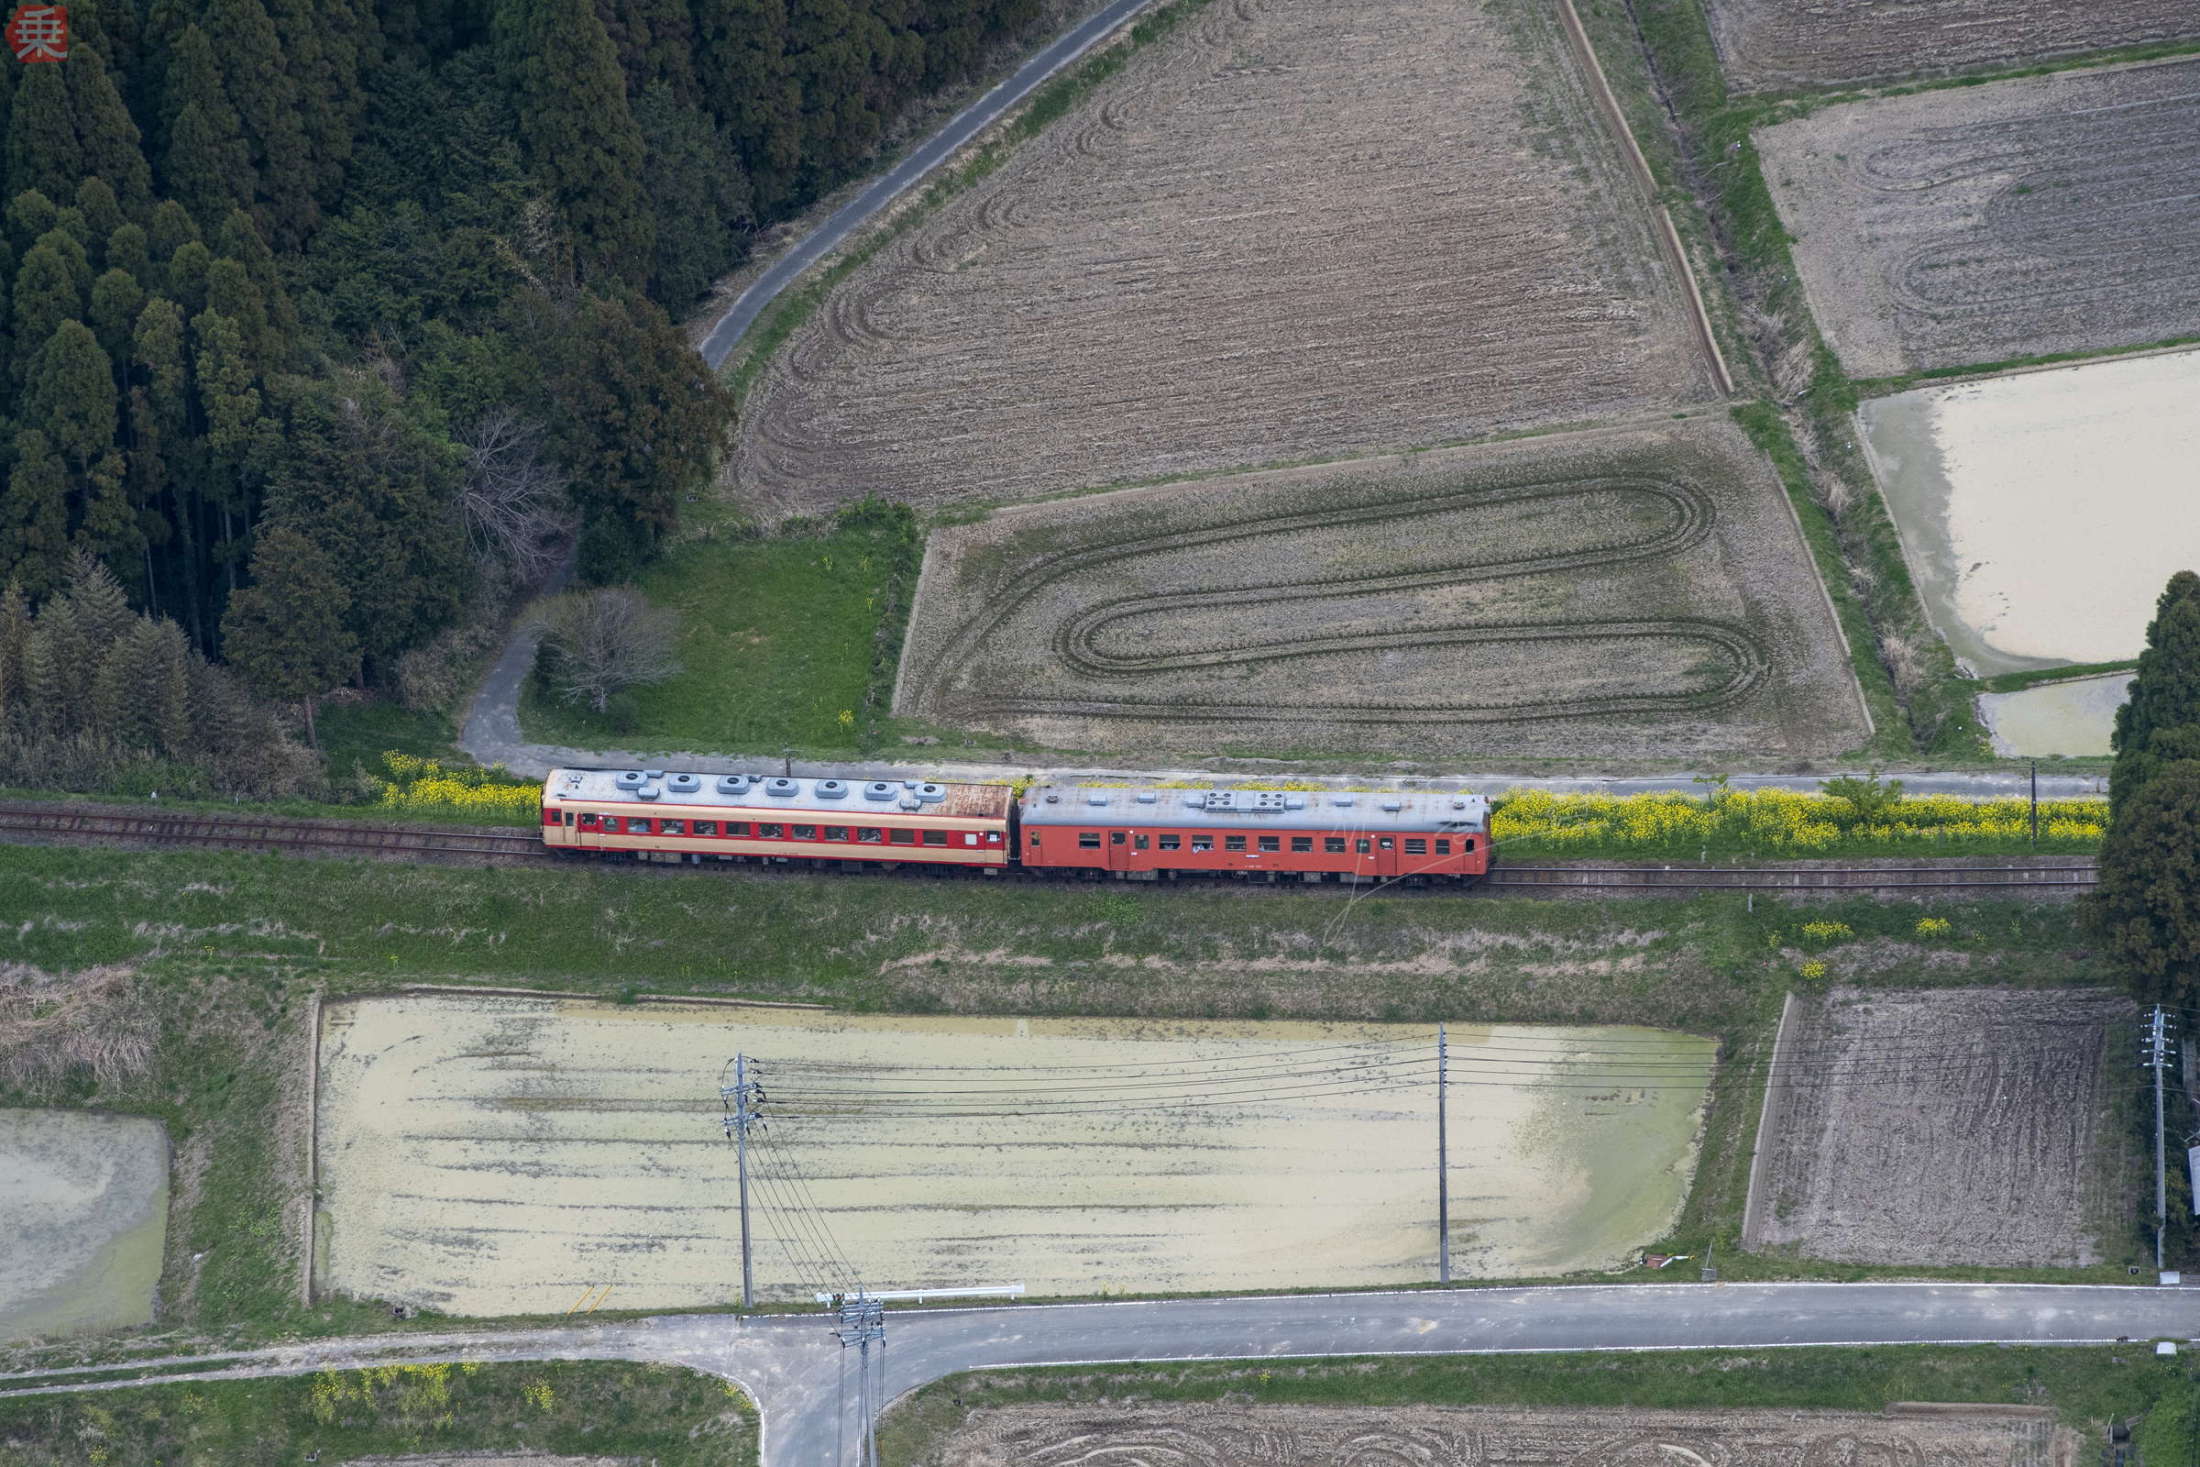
x=790 y=1365
x=719 y=342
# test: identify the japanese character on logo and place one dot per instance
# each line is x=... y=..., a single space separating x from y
x=39 y=33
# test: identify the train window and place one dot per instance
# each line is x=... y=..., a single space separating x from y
x=1203 y=842
x=805 y=832
x=1334 y=844
x=588 y=820
x=1088 y=840
x=1233 y=842
x=636 y=825
x=706 y=827
x=1302 y=843
x=1271 y=843
x=939 y=837
x=770 y=831
x=611 y=824
x=1443 y=846
x=1172 y=842
x=675 y=827
x=1467 y=844
x=1115 y=837
x=1389 y=844
x=970 y=837
x=901 y=837
x=1140 y=844
x=569 y=817
x=871 y=835
x=1361 y=845
x=1416 y=845
x=737 y=827
x=836 y=832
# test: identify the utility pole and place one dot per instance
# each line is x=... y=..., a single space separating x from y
x=1443 y=1168
x=2157 y=1056
x=2035 y=802
x=740 y=1100
x=863 y=1323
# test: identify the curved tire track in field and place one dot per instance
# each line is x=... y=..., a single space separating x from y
x=1077 y=642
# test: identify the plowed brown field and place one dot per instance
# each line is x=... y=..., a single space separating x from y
x=1636 y=590
x=1428 y=1436
x=1293 y=228
x=1769 y=45
x=2048 y=214
x=1949 y=1126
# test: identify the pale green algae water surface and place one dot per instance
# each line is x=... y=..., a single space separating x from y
x=84 y=1216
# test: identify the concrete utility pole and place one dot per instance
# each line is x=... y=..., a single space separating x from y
x=1443 y=1168
x=740 y=1100
x=862 y=1322
x=2157 y=1056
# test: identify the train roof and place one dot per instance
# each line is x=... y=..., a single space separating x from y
x=768 y=792
x=1408 y=810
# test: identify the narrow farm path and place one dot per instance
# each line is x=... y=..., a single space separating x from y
x=790 y=1364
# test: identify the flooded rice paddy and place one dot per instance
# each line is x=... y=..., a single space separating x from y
x=493 y=1155
x=2043 y=512
x=84 y=1212
x=2071 y=718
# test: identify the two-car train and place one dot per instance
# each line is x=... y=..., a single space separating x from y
x=1133 y=833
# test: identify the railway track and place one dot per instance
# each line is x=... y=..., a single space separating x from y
x=106 y=824
x=33 y=822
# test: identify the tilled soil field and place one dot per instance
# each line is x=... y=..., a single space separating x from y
x=1946 y=1126
x=496 y=1154
x=1429 y=1436
x=1632 y=591
x=1291 y=229
x=2047 y=214
x=1773 y=45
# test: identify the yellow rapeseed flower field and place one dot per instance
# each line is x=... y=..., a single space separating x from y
x=1785 y=821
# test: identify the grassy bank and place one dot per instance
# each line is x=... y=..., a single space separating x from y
x=2087 y=1387
x=788 y=641
x=653 y=1413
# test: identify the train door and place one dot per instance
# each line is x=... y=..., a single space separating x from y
x=1119 y=850
x=1386 y=855
x=1363 y=856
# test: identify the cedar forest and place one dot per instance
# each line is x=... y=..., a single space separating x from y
x=329 y=322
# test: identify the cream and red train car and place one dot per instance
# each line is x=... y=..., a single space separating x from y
x=1314 y=835
x=656 y=815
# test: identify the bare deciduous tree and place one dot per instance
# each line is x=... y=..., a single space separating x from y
x=514 y=503
x=606 y=641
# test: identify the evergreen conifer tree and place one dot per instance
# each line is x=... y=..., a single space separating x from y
x=30 y=214
x=102 y=215
x=46 y=295
x=42 y=150
x=116 y=301
x=108 y=141
x=2147 y=906
x=2164 y=697
x=34 y=515
x=128 y=251
x=206 y=162
x=172 y=228
x=286 y=632
x=580 y=134
x=15 y=638
x=256 y=79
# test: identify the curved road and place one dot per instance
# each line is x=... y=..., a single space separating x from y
x=790 y=1365
x=719 y=342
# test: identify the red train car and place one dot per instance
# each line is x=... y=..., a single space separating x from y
x=655 y=815
x=1315 y=835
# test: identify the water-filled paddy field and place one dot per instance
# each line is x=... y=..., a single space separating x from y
x=83 y=1214
x=490 y=1155
x=2043 y=512
x=2072 y=718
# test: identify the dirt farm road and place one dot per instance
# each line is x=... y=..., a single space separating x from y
x=790 y=1365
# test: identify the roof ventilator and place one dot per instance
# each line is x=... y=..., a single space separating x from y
x=931 y=793
x=683 y=784
x=1147 y=797
x=782 y=788
x=630 y=779
x=1393 y=805
x=830 y=789
x=648 y=792
x=735 y=784
x=653 y=774
x=1096 y=800
x=1345 y=802
x=912 y=804
x=879 y=789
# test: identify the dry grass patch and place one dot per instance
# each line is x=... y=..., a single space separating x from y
x=1630 y=592
x=2046 y=214
x=1318 y=1436
x=1291 y=229
x=1949 y=1126
x=1771 y=45
x=95 y=1021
